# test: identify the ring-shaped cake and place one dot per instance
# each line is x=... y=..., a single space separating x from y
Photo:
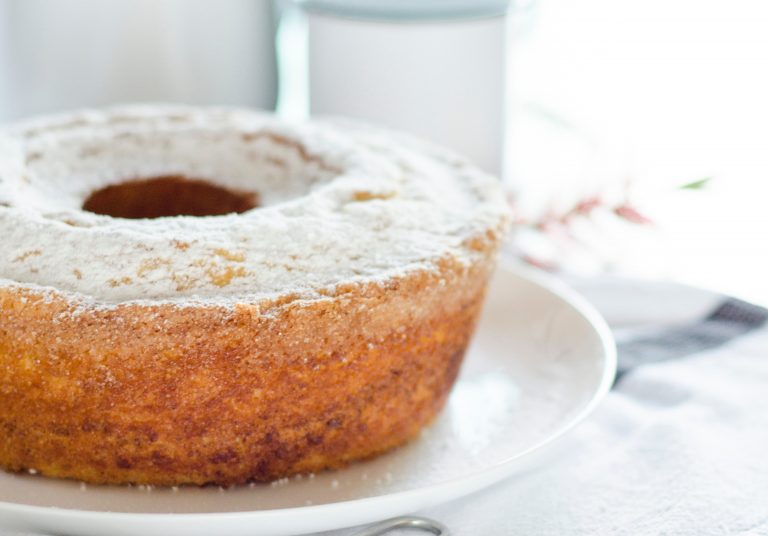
x=193 y=296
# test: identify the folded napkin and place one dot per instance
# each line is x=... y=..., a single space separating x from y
x=677 y=448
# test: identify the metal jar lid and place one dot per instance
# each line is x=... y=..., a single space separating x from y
x=407 y=10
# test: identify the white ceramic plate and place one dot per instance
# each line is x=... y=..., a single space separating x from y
x=541 y=360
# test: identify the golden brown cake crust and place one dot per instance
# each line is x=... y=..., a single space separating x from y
x=191 y=338
x=166 y=395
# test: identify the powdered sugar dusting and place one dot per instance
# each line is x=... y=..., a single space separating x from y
x=341 y=202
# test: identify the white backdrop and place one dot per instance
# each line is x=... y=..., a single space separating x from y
x=58 y=55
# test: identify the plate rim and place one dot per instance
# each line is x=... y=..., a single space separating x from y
x=440 y=491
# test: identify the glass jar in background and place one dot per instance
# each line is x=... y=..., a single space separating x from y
x=435 y=68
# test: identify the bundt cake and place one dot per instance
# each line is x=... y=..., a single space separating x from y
x=195 y=295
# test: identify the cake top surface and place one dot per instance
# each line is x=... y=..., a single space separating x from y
x=339 y=202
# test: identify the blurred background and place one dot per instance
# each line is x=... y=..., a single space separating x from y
x=632 y=136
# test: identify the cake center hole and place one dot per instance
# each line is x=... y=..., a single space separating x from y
x=168 y=196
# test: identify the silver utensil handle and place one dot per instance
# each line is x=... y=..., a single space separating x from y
x=405 y=522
